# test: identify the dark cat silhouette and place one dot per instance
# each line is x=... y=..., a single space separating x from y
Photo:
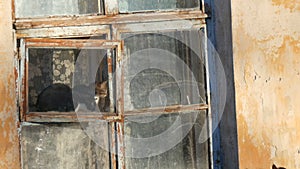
x=56 y=97
x=60 y=97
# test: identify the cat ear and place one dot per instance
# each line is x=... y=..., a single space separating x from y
x=103 y=84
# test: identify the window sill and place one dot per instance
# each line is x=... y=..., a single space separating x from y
x=104 y=20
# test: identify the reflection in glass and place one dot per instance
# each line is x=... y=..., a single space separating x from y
x=167 y=141
x=161 y=70
x=42 y=8
x=150 y=5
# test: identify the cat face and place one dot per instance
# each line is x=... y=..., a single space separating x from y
x=101 y=91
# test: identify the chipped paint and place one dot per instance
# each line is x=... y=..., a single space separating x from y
x=261 y=151
x=61 y=32
x=267 y=66
x=292 y=5
x=108 y=19
x=9 y=144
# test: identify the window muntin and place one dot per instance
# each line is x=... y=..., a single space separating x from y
x=127 y=6
x=42 y=8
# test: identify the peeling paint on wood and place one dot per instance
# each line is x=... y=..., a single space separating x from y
x=60 y=27
x=71 y=43
x=63 y=32
x=104 y=20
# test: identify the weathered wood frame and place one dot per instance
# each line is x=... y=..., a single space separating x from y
x=62 y=43
x=156 y=26
x=113 y=25
x=107 y=19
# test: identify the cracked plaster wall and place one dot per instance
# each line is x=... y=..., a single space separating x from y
x=266 y=51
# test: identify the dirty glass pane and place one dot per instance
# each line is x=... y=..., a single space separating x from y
x=42 y=8
x=62 y=146
x=174 y=141
x=51 y=82
x=163 y=70
x=150 y=5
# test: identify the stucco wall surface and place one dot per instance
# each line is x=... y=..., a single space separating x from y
x=9 y=145
x=266 y=50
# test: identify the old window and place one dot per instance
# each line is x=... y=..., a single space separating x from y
x=152 y=57
x=60 y=75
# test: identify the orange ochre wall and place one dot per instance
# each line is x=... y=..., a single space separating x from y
x=9 y=144
x=266 y=53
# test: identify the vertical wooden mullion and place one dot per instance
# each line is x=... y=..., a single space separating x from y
x=112 y=145
x=23 y=80
x=17 y=59
x=120 y=124
x=112 y=125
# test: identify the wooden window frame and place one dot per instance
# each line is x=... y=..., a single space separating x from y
x=146 y=28
x=172 y=25
x=111 y=23
x=27 y=116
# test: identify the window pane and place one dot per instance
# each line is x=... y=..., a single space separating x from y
x=161 y=70
x=62 y=146
x=150 y=5
x=40 y=8
x=52 y=86
x=152 y=147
